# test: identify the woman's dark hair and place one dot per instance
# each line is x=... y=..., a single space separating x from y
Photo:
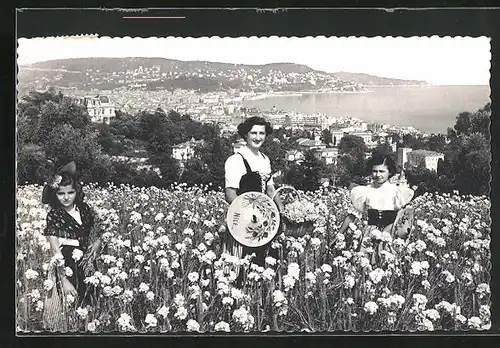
x=379 y=159
x=246 y=126
x=67 y=179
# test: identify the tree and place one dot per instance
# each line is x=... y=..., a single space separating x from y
x=352 y=144
x=123 y=173
x=150 y=124
x=473 y=163
x=110 y=143
x=32 y=164
x=424 y=179
x=464 y=123
x=396 y=138
x=275 y=148
x=195 y=173
x=66 y=143
x=53 y=114
x=411 y=141
x=215 y=155
x=305 y=176
x=352 y=151
x=478 y=122
x=384 y=149
x=436 y=142
x=169 y=167
x=326 y=136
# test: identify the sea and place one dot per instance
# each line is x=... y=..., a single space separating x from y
x=430 y=109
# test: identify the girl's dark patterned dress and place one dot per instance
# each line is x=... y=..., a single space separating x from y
x=61 y=224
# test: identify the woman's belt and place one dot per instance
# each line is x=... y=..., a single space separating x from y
x=381 y=218
x=68 y=241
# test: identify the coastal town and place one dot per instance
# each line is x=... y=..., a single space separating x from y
x=220 y=93
x=225 y=109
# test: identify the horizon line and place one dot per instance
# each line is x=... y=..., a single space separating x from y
x=264 y=64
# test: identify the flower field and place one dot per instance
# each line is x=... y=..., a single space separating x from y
x=162 y=268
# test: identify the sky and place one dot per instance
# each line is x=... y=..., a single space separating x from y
x=437 y=60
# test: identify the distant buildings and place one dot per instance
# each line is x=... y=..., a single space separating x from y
x=298 y=120
x=338 y=134
x=296 y=156
x=99 y=108
x=185 y=151
x=310 y=144
x=402 y=156
x=328 y=155
x=415 y=158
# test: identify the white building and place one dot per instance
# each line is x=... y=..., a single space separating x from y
x=429 y=159
x=402 y=156
x=185 y=151
x=99 y=108
x=310 y=144
x=328 y=155
x=338 y=134
x=296 y=156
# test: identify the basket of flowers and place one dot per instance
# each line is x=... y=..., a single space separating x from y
x=301 y=214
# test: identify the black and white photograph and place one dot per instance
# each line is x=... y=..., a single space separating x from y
x=253 y=184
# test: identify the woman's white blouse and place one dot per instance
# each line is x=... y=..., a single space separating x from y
x=389 y=196
x=235 y=168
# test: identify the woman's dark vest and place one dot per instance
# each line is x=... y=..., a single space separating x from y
x=251 y=181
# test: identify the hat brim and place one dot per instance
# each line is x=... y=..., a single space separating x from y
x=69 y=168
x=46 y=194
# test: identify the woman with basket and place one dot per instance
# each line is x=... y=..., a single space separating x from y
x=74 y=245
x=383 y=203
x=249 y=170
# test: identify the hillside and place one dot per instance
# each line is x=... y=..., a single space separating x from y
x=169 y=74
x=370 y=80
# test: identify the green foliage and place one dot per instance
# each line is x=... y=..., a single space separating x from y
x=352 y=151
x=66 y=143
x=51 y=126
x=412 y=141
x=436 y=142
x=169 y=167
x=466 y=166
x=305 y=176
x=473 y=175
x=53 y=114
x=123 y=173
x=326 y=136
x=383 y=149
x=479 y=122
x=32 y=164
x=214 y=157
x=195 y=173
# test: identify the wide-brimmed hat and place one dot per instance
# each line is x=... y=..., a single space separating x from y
x=53 y=183
x=253 y=219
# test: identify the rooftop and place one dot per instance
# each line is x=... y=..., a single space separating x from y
x=427 y=153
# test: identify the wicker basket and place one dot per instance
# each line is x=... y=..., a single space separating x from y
x=296 y=229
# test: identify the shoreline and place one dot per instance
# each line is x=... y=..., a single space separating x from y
x=264 y=95
x=299 y=94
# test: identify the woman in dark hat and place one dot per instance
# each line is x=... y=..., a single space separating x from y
x=72 y=235
x=249 y=170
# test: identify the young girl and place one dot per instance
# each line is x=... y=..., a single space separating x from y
x=249 y=170
x=379 y=201
x=71 y=233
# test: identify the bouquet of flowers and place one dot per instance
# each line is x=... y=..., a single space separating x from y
x=301 y=213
